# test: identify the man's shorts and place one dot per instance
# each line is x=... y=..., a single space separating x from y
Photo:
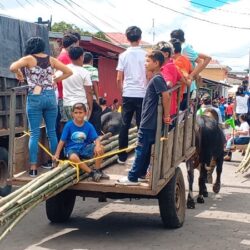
x=83 y=152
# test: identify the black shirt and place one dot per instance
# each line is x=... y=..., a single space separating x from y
x=156 y=86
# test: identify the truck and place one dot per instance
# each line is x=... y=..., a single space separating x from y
x=14 y=33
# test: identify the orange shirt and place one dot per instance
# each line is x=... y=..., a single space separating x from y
x=184 y=66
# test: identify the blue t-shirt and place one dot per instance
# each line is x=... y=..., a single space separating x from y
x=222 y=109
x=76 y=137
x=192 y=55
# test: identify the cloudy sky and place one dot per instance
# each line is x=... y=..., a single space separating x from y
x=220 y=28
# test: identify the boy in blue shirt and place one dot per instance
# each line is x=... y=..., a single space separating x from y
x=81 y=141
x=146 y=135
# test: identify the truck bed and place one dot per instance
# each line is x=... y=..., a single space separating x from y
x=115 y=171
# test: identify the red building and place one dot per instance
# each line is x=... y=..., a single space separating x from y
x=105 y=59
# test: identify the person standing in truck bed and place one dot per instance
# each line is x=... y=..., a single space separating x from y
x=41 y=100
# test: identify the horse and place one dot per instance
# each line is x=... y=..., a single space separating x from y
x=209 y=142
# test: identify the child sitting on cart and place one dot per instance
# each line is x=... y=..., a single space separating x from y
x=146 y=135
x=241 y=136
x=81 y=142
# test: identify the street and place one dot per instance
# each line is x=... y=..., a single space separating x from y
x=223 y=222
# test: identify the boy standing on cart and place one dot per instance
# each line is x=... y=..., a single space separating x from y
x=146 y=135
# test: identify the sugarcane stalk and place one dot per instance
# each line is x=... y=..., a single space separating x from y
x=50 y=188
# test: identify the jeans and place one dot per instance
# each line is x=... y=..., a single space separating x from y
x=146 y=138
x=38 y=107
x=129 y=106
x=237 y=141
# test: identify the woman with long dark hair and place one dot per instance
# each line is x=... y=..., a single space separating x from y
x=38 y=69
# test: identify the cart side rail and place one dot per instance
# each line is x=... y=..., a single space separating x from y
x=174 y=146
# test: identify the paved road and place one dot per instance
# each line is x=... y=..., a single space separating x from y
x=223 y=222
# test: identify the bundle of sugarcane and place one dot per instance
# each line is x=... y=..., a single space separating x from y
x=16 y=205
x=245 y=163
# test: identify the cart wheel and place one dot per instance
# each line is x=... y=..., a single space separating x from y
x=60 y=207
x=172 y=201
x=5 y=189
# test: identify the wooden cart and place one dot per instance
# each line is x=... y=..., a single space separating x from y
x=166 y=182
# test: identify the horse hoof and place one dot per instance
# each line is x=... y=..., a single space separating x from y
x=205 y=194
x=216 y=187
x=190 y=203
x=200 y=200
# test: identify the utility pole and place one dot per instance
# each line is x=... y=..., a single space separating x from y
x=153 y=30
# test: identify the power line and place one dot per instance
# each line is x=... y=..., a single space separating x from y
x=84 y=19
x=213 y=8
x=27 y=1
x=98 y=18
x=197 y=18
x=20 y=4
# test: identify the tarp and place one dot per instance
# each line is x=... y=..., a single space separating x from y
x=13 y=35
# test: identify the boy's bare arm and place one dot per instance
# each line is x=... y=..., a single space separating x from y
x=58 y=150
x=119 y=80
x=202 y=61
x=98 y=147
x=89 y=96
x=96 y=91
x=166 y=101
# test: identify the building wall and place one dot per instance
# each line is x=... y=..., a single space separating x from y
x=214 y=74
x=107 y=79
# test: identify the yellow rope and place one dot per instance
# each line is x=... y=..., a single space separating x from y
x=76 y=165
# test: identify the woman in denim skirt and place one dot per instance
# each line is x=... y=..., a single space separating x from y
x=38 y=69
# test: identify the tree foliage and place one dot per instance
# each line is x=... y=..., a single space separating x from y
x=63 y=27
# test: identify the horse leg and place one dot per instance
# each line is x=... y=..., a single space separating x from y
x=210 y=171
x=200 y=198
x=217 y=184
x=190 y=176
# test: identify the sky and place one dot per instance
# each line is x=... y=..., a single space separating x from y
x=219 y=28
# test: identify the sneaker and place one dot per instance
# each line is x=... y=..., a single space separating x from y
x=33 y=173
x=48 y=165
x=95 y=175
x=121 y=162
x=125 y=181
x=104 y=176
x=143 y=179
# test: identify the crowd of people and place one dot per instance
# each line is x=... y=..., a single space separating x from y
x=64 y=92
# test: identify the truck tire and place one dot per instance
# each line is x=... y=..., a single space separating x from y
x=172 y=201
x=60 y=207
x=5 y=189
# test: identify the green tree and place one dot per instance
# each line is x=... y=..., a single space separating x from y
x=63 y=27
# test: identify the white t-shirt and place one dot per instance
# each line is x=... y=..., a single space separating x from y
x=132 y=63
x=73 y=86
x=241 y=104
x=245 y=128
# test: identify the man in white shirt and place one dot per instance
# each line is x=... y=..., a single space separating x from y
x=78 y=87
x=131 y=80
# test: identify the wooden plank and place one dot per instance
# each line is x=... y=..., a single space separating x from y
x=167 y=154
x=179 y=150
x=115 y=172
x=4 y=132
x=12 y=133
x=156 y=171
x=176 y=132
x=187 y=112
